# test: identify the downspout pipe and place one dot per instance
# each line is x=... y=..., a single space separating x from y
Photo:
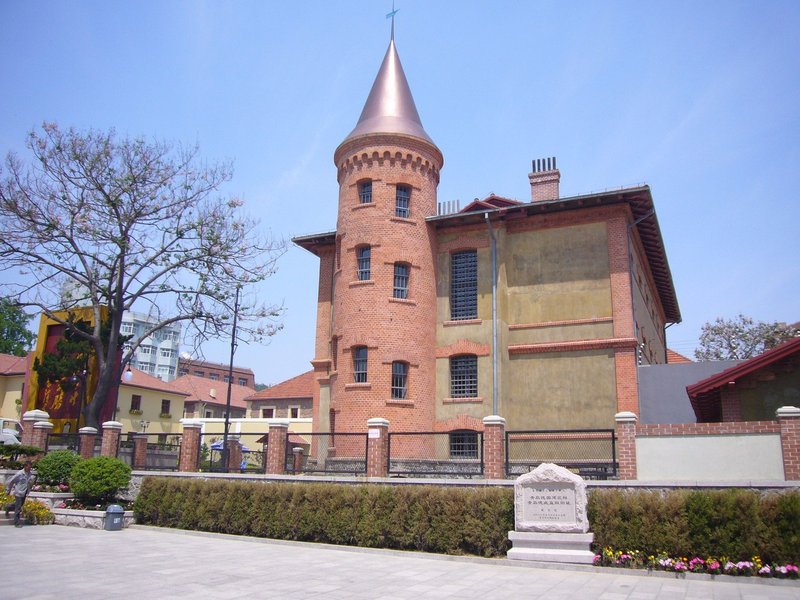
x=494 y=313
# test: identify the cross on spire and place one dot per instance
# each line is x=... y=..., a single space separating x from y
x=391 y=16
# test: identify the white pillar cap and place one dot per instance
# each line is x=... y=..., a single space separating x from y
x=43 y=425
x=626 y=417
x=787 y=411
x=35 y=415
x=378 y=422
x=494 y=420
x=88 y=430
x=112 y=425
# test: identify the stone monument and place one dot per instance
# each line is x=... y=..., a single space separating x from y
x=550 y=521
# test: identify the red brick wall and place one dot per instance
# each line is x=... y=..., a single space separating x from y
x=790 y=442
x=364 y=312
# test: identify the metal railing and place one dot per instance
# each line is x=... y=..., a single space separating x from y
x=212 y=456
x=434 y=453
x=328 y=453
x=591 y=453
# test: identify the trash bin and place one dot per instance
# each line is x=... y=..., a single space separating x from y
x=114 y=517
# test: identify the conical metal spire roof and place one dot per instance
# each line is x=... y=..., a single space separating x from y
x=390 y=106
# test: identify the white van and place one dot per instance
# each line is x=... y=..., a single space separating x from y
x=10 y=431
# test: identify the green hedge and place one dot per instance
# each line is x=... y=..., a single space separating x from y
x=737 y=524
x=427 y=518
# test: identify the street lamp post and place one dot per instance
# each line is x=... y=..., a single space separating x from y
x=230 y=383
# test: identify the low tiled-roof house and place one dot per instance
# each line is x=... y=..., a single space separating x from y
x=291 y=399
x=208 y=398
x=751 y=390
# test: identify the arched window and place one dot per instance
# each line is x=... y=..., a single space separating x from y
x=363 y=267
x=399 y=380
x=464 y=444
x=464 y=376
x=400 y=280
x=360 y=355
x=402 y=204
x=365 y=191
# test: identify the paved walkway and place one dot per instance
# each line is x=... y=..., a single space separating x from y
x=57 y=562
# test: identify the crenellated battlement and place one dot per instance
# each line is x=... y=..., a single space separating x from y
x=384 y=151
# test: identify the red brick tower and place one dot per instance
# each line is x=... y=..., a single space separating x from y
x=382 y=325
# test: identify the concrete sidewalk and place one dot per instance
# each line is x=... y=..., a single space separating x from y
x=57 y=562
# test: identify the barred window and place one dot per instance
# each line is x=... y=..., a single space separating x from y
x=402 y=207
x=464 y=285
x=464 y=376
x=365 y=192
x=363 y=254
x=360 y=364
x=464 y=444
x=399 y=380
x=400 y=280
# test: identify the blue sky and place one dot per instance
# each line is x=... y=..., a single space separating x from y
x=701 y=100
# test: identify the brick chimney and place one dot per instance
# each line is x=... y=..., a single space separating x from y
x=544 y=179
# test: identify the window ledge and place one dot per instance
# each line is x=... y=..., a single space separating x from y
x=397 y=219
x=134 y=411
x=453 y=323
x=403 y=301
x=476 y=400
x=358 y=386
x=361 y=205
x=362 y=282
x=399 y=402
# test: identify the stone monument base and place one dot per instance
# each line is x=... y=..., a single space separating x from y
x=551 y=547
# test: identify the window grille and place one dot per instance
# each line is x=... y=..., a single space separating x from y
x=464 y=444
x=399 y=380
x=360 y=364
x=464 y=376
x=464 y=285
x=365 y=192
x=363 y=257
x=403 y=201
x=400 y=280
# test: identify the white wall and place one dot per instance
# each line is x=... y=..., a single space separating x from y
x=709 y=458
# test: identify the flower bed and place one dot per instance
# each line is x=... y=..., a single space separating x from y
x=634 y=559
x=50 y=499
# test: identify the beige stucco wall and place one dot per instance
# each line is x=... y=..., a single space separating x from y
x=11 y=391
x=557 y=274
x=560 y=390
x=710 y=458
x=151 y=410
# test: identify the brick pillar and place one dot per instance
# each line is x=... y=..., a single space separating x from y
x=234 y=455
x=190 y=445
x=139 y=460
x=297 y=460
x=109 y=445
x=789 y=419
x=276 y=449
x=626 y=444
x=494 y=447
x=29 y=419
x=731 y=405
x=41 y=430
x=88 y=435
x=377 y=448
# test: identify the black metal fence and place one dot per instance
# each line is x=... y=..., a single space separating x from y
x=327 y=453
x=63 y=441
x=163 y=452
x=451 y=454
x=591 y=453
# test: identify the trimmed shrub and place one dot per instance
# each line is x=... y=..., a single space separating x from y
x=427 y=518
x=55 y=468
x=98 y=480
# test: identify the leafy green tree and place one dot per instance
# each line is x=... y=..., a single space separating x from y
x=15 y=338
x=741 y=338
x=126 y=224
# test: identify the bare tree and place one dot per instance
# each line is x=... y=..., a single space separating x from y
x=126 y=224
x=741 y=338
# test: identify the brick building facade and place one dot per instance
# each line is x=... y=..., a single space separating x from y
x=536 y=311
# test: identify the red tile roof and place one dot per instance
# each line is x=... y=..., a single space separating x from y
x=301 y=386
x=705 y=394
x=203 y=389
x=490 y=202
x=12 y=365
x=141 y=379
x=674 y=358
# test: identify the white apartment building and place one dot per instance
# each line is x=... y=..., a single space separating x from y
x=158 y=353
